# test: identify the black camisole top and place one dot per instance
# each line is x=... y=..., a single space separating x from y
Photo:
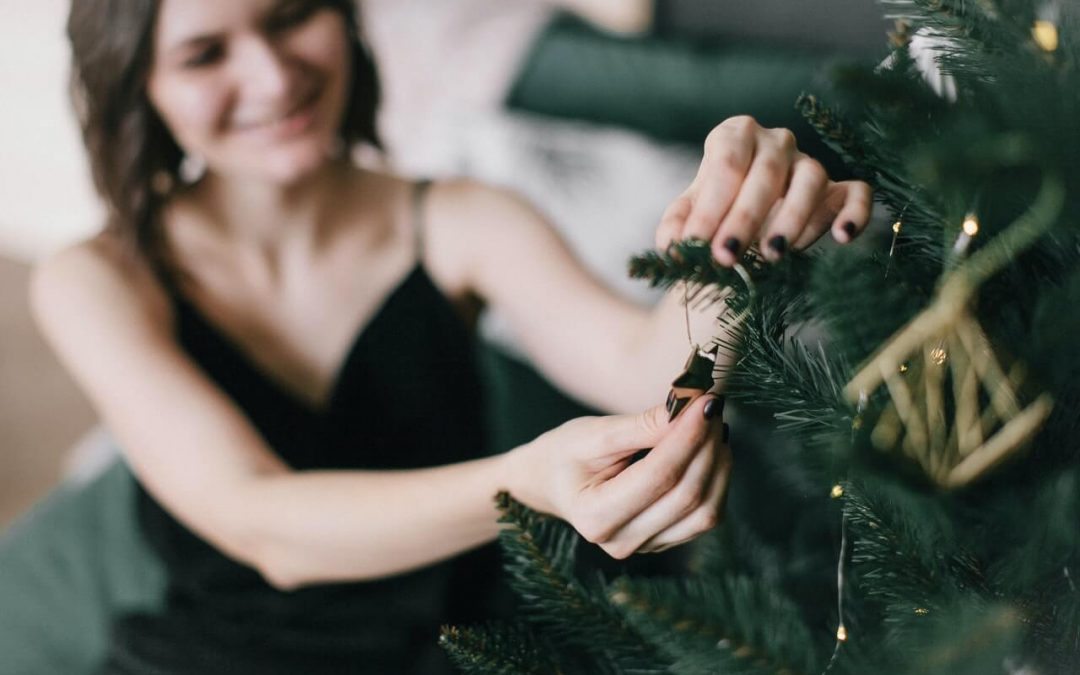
x=406 y=396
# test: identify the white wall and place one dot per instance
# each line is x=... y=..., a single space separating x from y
x=46 y=197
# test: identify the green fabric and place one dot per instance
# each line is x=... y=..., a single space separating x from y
x=672 y=90
x=520 y=404
x=66 y=567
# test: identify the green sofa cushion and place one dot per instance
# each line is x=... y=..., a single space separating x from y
x=65 y=567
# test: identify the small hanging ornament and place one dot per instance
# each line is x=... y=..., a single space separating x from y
x=695 y=379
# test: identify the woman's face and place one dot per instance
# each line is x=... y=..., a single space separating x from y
x=256 y=88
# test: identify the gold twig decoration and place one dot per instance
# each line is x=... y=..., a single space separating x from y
x=946 y=345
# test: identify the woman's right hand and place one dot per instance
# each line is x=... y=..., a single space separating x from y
x=583 y=473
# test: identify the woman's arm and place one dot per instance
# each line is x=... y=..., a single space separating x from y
x=201 y=458
x=753 y=187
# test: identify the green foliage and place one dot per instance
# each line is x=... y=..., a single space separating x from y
x=728 y=625
x=539 y=555
x=498 y=650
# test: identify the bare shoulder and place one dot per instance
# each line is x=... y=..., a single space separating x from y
x=475 y=225
x=96 y=280
x=473 y=204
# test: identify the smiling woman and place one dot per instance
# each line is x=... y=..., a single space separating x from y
x=283 y=120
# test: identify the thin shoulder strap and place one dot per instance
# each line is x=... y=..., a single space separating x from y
x=419 y=191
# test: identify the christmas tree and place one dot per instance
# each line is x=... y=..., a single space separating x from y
x=937 y=420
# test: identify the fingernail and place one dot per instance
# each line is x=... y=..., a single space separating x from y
x=733 y=244
x=714 y=407
x=849 y=229
x=778 y=244
x=726 y=433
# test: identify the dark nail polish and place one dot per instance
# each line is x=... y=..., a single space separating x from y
x=733 y=244
x=726 y=433
x=670 y=400
x=849 y=229
x=778 y=244
x=714 y=408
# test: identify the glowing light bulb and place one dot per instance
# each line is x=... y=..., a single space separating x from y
x=837 y=491
x=841 y=633
x=896 y=227
x=1045 y=34
x=971 y=225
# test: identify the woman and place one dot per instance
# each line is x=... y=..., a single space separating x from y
x=279 y=344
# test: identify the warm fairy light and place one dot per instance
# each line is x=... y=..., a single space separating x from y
x=837 y=491
x=841 y=633
x=922 y=611
x=1045 y=34
x=971 y=225
x=896 y=227
x=903 y=367
x=938 y=355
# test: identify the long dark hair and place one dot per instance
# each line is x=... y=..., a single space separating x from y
x=133 y=157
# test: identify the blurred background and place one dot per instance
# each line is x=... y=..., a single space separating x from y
x=593 y=109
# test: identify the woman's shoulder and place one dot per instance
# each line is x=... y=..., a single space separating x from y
x=99 y=276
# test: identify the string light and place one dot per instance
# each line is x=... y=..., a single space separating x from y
x=922 y=611
x=938 y=355
x=837 y=491
x=892 y=247
x=841 y=629
x=1045 y=34
x=903 y=367
x=969 y=229
x=971 y=225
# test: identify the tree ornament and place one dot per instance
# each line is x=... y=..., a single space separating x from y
x=943 y=361
x=695 y=379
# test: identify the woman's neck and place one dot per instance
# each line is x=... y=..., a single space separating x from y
x=268 y=216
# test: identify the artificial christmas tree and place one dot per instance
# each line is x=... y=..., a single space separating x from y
x=938 y=420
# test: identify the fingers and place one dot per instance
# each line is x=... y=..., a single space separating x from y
x=671 y=223
x=751 y=176
x=806 y=191
x=853 y=216
x=764 y=184
x=625 y=435
x=673 y=507
x=729 y=153
x=707 y=515
x=844 y=209
x=603 y=509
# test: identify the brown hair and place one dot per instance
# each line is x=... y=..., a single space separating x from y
x=130 y=149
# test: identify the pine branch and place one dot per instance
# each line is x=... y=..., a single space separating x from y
x=800 y=387
x=539 y=557
x=838 y=134
x=732 y=625
x=498 y=650
x=906 y=554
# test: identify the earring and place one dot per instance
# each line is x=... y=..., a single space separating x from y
x=192 y=169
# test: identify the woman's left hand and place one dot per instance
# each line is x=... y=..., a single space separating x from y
x=755 y=186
